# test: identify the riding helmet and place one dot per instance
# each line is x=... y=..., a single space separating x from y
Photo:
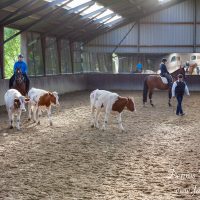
x=20 y=56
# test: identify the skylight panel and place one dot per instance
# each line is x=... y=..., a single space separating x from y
x=93 y=8
x=113 y=19
x=98 y=12
x=76 y=3
x=59 y=4
x=163 y=1
x=107 y=12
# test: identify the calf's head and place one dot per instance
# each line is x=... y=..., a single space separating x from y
x=130 y=104
x=54 y=98
x=19 y=103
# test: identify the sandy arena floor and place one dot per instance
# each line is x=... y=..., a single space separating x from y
x=157 y=159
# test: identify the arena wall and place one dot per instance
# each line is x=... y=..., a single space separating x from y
x=61 y=83
x=80 y=82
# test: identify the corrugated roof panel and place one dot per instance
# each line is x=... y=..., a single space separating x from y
x=166 y=34
x=182 y=12
x=115 y=36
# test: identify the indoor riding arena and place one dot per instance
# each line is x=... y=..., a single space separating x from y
x=70 y=57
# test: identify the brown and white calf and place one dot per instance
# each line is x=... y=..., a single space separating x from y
x=15 y=104
x=41 y=100
x=110 y=103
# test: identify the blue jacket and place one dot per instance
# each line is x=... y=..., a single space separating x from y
x=22 y=65
x=163 y=69
x=139 y=66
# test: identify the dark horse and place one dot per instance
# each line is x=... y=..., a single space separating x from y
x=19 y=83
x=154 y=81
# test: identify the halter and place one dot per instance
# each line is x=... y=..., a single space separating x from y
x=19 y=76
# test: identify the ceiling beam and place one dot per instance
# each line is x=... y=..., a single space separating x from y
x=46 y=16
x=89 y=21
x=8 y=3
x=99 y=20
x=25 y=6
x=90 y=3
x=96 y=29
x=94 y=13
x=28 y=13
x=157 y=9
x=131 y=19
x=61 y=25
x=115 y=21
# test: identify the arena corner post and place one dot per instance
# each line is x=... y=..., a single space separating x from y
x=195 y=26
x=72 y=55
x=43 y=46
x=58 y=44
x=2 y=74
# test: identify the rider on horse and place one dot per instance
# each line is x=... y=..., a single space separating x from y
x=187 y=65
x=164 y=72
x=20 y=64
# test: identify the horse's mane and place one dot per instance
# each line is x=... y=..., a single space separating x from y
x=178 y=71
x=174 y=72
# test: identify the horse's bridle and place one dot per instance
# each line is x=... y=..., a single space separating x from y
x=18 y=76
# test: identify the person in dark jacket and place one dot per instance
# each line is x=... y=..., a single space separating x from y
x=179 y=88
x=23 y=67
x=164 y=72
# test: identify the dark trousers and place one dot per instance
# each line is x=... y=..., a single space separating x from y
x=179 y=109
x=169 y=79
x=12 y=79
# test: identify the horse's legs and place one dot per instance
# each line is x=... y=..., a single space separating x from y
x=150 y=97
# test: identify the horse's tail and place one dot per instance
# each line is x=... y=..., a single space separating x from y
x=145 y=90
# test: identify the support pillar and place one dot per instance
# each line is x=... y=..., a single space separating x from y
x=1 y=52
x=59 y=54
x=43 y=45
x=71 y=46
x=195 y=27
x=24 y=50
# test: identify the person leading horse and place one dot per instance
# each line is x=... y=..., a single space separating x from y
x=152 y=82
x=21 y=66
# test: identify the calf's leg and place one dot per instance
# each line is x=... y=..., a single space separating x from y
x=49 y=115
x=105 y=121
x=29 y=111
x=98 y=110
x=119 y=119
x=92 y=117
x=11 y=118
x=39 y=113
x=34 y=113
x=18 y=120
